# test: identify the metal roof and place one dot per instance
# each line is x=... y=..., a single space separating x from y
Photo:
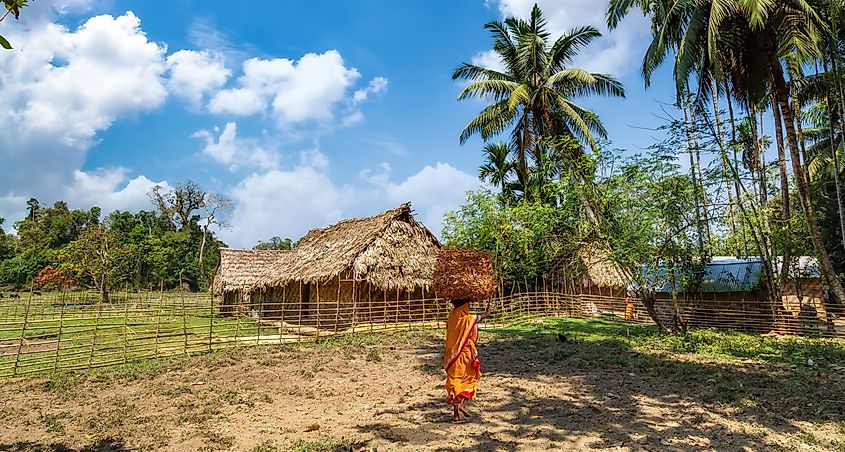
x=728 y=274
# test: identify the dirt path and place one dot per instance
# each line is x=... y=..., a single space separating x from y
x=537 y=394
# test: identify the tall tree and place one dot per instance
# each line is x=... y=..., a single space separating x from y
x=533 y=97
x=497 y=166
x=215 y=210
x=179 y=203
x=748 y=41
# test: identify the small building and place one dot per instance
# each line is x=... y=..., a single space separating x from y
x=804 y=295
x=603 y=283
x=732 y=293
x=237 y=273
x=366 y=270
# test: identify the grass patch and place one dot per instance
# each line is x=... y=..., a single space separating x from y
x=373 y=356
x=320 y=445
x=268 y=445
x=617 y=337
x=54 y=422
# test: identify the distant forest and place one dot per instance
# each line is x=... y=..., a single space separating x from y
x=170 y=245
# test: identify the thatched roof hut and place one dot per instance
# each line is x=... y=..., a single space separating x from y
x=239 y=269
x=390 y=251
x=599 y=269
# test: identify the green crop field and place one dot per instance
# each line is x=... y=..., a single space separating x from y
x=74 y=330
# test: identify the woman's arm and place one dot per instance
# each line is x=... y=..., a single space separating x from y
x=486 y=312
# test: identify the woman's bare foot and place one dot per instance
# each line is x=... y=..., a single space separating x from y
x=462 y=407
x=458 y=416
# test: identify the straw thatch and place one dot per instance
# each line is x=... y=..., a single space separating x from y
x=464 y=274
x=599 y=268
x=239 y=269
x=390 y=250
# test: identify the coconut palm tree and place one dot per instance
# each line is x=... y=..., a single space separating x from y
x=532 y=97
x=498 y=166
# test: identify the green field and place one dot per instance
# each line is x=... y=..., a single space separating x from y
x=69 y=331
x=608 y=383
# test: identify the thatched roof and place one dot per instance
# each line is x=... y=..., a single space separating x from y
x=599 y=268
x=239 y=269
x=390 y=250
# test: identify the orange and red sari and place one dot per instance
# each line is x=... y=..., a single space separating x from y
x=463 y=370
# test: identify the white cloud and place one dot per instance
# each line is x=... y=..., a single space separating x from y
x=618 y=52
x=312 y=89
x=238 y=102
x=376 y=86
x=285 y=203
x=288 y=203
x=194 y=74
x=488 y=59
x=433 y=191
x=71 y=85
x=110 y=190
x=59 y=89
x=226 y=148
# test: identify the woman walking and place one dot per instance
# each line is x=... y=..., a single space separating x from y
x=463 y=369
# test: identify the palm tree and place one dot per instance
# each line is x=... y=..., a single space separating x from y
x=533 y=96
x=32 y=207
x=747 y=41
x=497 y=166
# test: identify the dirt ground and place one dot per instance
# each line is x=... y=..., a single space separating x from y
x=386 y=393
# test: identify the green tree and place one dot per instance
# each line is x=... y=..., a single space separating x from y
x=497 y=167
x=533 y=97
x=13 y=8
x=97 y=257
x=275 y=243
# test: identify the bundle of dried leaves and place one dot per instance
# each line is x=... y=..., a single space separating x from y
x=461 y=273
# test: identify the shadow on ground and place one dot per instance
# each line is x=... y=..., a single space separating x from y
x=602 y=394
x=104 y=445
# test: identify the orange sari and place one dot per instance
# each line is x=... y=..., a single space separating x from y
x=463 y=370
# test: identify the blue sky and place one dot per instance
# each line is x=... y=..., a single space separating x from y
x=302 y=113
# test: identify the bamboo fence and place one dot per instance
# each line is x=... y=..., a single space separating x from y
x=73 y=330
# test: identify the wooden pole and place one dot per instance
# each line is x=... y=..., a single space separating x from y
x=158 y=316
x=284 y=300
x=354 y=304
x=210 y=321
x=23 y=331
x=61 y=327
x=94 y=338
x=125 y=329
x=319 y=302
x=337 y=312
x=299 y=324
x=184 y=317
x=370 y=305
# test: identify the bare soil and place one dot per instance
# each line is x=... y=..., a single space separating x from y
x=386 y=393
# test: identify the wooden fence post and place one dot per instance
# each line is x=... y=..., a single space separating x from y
x=125 y=327
x=23 y=331
x=61 y=327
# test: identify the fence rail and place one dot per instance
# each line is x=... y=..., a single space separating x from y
x=73 y=330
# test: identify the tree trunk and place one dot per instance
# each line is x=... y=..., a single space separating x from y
x=696 y=192
x=834 y=147
x=761 y=158
x=835 y=150
x=202 y=250
x=725 y=164
x=839 y=197
x=786 y=213
x=784 y=173
x=104 y=291
x=735 y=166
x=782 y=92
